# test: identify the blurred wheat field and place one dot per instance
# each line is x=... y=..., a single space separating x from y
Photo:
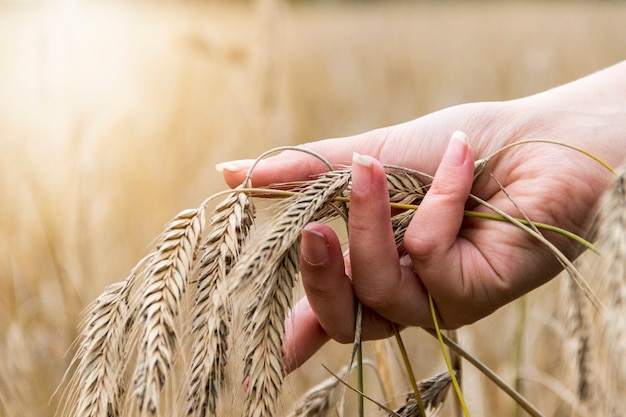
x=112 y=116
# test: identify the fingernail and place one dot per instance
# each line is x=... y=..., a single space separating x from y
x=234 y=166
x=361 y=173
x=314 y=247
x=361 y=159
x=457 y=149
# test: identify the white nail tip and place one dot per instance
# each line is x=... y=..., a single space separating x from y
x=460 y=135
x=361 y=160
x=227 y=166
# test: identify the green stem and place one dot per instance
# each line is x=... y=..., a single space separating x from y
x=409 y=370
x=519 y=349
x=263 y=192
x=360 y=384
x=516 y=396
x=451 y=371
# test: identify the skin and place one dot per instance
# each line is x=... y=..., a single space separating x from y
x=470 y=267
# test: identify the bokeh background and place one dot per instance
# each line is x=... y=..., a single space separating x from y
x=113 y=115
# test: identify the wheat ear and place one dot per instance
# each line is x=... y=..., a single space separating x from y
x=318 y=401
x=579 y=326
x=158 y=304
x=264 y=329
x=433 y=393
x=100 y=353
x=405 y=187
x=609 y=272
x=230 y=224
x=96 y=388
x=270 y=265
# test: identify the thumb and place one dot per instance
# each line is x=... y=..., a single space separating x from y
x=432 y=237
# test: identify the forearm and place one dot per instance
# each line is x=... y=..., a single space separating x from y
x=589 y=113
x=604 y=91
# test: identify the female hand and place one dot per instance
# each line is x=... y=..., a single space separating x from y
x=471 y=267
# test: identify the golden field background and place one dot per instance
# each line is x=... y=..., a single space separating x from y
x=113 y=115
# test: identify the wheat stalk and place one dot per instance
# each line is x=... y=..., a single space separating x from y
x=230 y=224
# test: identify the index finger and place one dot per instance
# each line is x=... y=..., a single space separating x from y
x=290 y=165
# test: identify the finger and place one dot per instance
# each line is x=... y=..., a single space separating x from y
x=304 y=335
x=328 y=289
x=299 y=166
x=432 y=237
x=328 y=311
x=379 y=281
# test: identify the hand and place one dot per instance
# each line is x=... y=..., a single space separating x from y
x=471 y=267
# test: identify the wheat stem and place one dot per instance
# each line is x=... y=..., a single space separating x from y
x=409 y=370
x=552 y=142
x=491 y=375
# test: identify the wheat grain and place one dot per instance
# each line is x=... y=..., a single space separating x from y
x=432 y=392
x=609 y=273
x=229 y=225
x=276 y=238
x=96 y=388
x=100 y=356
x=400 y=223
x=158 y=304
x=273 y=260
x=318 y=401
x=579 y=326
x=264 y=329
x=405 y=186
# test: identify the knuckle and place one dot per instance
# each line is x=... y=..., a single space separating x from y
x=376 y=299
x=419 y=246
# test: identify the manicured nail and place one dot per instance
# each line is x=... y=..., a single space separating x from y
x=457 y=149
x=361 y=160
x=234 y=166
x=361 y=173
x=314 y=247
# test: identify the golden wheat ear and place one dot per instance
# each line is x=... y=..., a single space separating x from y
x=93 y=390
x=97 y=389
x=270 y=266
x=138 y=312
x=158 y=303
x=608 y=272
x=320 y=399
x=229 y=227
x=433 y=393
